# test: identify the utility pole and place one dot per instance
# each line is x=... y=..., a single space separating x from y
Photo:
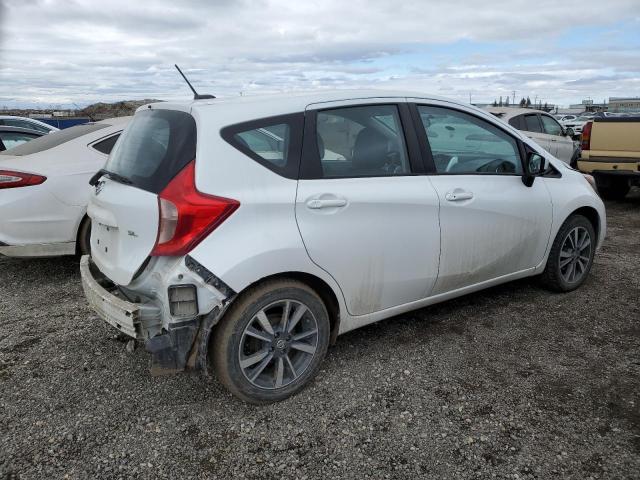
x=514 y=97
x=469 y=98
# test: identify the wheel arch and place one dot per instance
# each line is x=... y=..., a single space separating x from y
x=321 y=287
x=591 y=214
x=83 y=221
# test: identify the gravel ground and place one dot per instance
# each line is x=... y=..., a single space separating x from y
x=512 y=382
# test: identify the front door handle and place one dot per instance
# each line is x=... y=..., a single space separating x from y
x=458 y=195
x=318 y=203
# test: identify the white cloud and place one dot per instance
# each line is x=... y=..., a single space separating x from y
x=59 y=52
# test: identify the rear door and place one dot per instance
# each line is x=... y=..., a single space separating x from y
x=491 y=224
x=156 y=145
x=365 y=214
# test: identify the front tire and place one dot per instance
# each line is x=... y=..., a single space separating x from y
x=571 y=255
x=271 y=341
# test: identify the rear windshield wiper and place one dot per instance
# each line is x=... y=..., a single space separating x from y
x=106 y=173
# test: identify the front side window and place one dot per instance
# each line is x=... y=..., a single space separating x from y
x=365 y=141
x=532 y=124
x=550 y=126
x=464 y=144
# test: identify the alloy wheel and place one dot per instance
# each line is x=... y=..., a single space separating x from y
x=575 y=255
x=278 y=344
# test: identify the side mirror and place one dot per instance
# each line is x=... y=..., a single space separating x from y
x=569 y=131
x=535 y=165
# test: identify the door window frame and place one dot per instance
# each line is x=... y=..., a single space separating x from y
x=425 y=147
x=311 y=164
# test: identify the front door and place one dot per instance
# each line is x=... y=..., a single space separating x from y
x=491 y=224
x=364 y=215
x=561 y=147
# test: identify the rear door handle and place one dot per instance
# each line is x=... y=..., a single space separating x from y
x=458 y=195
x=318 y=203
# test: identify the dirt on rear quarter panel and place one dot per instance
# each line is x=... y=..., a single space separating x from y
x=513 y=382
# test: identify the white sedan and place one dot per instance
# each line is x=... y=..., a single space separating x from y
x=44 y=189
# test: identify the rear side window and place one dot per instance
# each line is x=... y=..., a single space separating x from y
x=516 y=122
x=153 y=148
x=269 y=143
x=532 y=124
x=13 y=139
x=54 y=139
x=273 y=142
x=105 y=146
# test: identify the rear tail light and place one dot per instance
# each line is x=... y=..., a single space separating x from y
x=585 y=139
x=10 y=179
x=187 y=216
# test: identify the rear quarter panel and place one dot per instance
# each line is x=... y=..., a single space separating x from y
x=261 y=238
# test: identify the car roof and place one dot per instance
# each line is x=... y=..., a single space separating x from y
x=299 y=100
x=7 y=128
x=505 y=113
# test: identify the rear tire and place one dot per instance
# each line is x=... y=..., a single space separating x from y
x=271 y=342
x=571 y=255
x=84 y=237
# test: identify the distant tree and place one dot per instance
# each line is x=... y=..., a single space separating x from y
x=495 y=103
x=523 y=102
x=506 y=102
x=500 y=104
x=528 y=104
x=546 y=107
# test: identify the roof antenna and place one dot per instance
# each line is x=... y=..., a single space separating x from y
x=196 y=95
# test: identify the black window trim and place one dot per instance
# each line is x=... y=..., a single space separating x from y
x=102 y=139
x=426 y=148
x=295 y=122
x=311 y=166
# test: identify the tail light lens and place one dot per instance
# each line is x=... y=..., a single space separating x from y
x=186 y=215
x=585 y=139
x=10 y=179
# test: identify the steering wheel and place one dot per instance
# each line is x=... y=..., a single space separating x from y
x=453 y=161
x=498 y=166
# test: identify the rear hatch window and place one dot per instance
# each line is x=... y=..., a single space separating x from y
x=153 y=148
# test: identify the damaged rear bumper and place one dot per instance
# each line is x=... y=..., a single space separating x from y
x=174 y=347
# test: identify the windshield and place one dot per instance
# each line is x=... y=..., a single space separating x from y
x=154 y=147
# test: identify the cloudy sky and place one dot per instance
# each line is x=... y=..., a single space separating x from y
x=61 y=52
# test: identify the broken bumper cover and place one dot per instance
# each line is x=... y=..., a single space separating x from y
x=178 y=346
x=130 y=318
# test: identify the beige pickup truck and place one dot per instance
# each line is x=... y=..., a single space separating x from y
x=611 y=153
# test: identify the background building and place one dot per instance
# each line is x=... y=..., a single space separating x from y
x=624 y=104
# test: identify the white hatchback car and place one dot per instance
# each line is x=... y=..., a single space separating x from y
x=224 y=235
x=44 y=189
